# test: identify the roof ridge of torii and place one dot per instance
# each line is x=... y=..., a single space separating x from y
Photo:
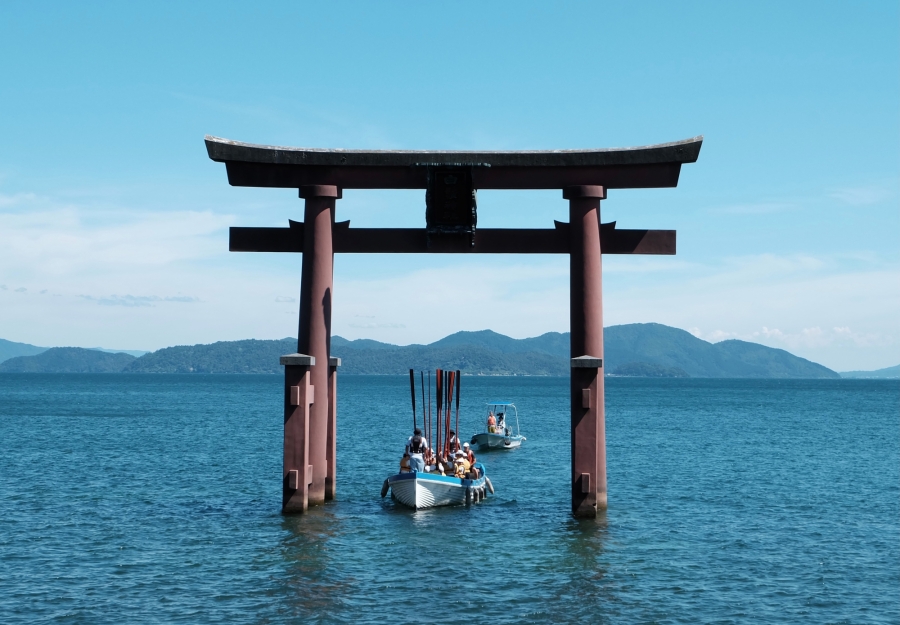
x=651 y=166
x=451 y=179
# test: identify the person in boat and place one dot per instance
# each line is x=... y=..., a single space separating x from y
x=453 y=444
x=416 y=447
x=491 y=422
x=404 y=464
x=501 y=421
x=430 y=462
x=470 y=458
x=460 y=465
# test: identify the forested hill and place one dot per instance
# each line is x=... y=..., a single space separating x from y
x=639 y=350
x=68 y=360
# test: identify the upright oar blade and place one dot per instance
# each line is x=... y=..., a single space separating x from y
x=455 y=443
x=412 y=392
x=458 y=386
x=439 y=399
x=422 y=379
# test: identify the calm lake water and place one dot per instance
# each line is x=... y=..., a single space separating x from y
x=156 y=498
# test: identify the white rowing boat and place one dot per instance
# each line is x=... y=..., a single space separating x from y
x=430 y=490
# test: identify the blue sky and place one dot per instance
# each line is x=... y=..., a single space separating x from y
x=113 y=222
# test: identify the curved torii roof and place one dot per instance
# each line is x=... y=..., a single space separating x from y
x=274 y=166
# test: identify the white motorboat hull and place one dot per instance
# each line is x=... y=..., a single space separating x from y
x=486 y=440
x=420 y=491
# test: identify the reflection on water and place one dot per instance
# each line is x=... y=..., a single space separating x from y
x=310 y=584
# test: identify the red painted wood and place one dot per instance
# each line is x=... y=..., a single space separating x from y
x=487 y=240
x=297 y=391
x=331 y=443
x=588 y=443
x=314 y=336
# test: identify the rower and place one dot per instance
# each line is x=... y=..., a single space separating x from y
x=470 y=458
x=416 y=447
x=461 y=465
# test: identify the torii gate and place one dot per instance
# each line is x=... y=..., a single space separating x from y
x=451 y=179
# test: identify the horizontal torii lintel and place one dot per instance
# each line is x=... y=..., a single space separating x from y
x=416 y=241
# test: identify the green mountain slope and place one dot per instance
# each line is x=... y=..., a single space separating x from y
x=68 y=360
x=11 y=349
x=644 y=349
x=472 y=359
x=891 y=373
x=250 y=356
x=670 y=347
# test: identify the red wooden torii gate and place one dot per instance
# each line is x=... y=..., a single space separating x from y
x=451 y=179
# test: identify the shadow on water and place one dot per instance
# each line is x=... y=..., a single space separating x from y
x=581 y=591
x=311 y=589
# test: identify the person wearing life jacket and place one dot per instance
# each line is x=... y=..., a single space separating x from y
x=460 y=465
x=470 y=458
x=416 y=447
x=491 y=422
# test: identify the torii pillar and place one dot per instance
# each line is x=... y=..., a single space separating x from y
x=586 y=341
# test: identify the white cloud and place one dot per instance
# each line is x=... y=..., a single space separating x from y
x=863 y=196
x=123 y=277
x=138 y=300
x=65 y=241
x=813 y=306
x=756 y=208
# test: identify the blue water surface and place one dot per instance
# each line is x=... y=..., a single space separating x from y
x=155 y=499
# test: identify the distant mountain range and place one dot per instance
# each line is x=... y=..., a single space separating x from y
x=886 y=373
x=10 y=349
x=639 y=350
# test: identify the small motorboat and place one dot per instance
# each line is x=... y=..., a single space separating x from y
x=421 y=490
x=502 y=434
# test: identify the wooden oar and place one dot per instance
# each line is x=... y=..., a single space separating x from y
x=424 y=427
x=439 y=398
x=412 y=392
x=458 y=386
x=451 y=376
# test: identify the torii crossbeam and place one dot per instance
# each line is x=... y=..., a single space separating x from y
x=450 y=179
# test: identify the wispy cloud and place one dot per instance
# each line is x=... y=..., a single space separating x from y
x=864 y=195
x=138 y=300
x=62 y=240
x=392 y=326
x=756 y=208
x=17 y=199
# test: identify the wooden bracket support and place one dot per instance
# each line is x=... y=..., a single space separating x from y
x=585 y=482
